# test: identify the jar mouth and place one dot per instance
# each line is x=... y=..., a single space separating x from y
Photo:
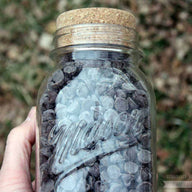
x=95 y=33
x=103 y=49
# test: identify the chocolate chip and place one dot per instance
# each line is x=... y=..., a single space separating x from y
x=121 y=104
x=46 y=151
x=140 y=98
x=99 y=186
x=132 y=78
x=145 y=140
x=146 y=122
x=47 y=186
x=47 y=100
x=120 y=93
x=145 y=187
x=128 y=88
x=94 y=170
x=46 y=126
x=145 y=174
x=131 y=104
x=91 y=163
x=43 y=159
x=110 y=92
x=140 y=86
x=70 y=70
x=56 y=80
x=90 y=182
x=48 y=115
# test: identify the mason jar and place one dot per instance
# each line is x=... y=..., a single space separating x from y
x=96 y=109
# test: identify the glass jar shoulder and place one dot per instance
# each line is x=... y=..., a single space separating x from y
x=144 y=81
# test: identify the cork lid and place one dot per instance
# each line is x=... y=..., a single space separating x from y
x=96 y=15
x=95 y=26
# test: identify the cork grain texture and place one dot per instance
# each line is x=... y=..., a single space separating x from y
x=96 y=15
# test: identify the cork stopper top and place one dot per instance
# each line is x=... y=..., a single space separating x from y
x=96 y=15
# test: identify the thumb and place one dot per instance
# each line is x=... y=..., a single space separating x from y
x=15 y=171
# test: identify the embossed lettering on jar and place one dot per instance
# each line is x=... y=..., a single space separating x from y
x=96 y=108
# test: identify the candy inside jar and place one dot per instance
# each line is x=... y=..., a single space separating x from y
x=96 y=124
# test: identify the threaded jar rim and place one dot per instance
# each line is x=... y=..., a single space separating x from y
x=94 y=27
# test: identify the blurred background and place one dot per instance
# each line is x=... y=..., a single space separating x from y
x=165 y=32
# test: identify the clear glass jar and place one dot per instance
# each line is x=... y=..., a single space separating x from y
x=96 y=113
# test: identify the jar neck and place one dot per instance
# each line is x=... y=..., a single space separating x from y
x=97 y=39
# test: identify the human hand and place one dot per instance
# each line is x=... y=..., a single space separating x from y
x=15 y=170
